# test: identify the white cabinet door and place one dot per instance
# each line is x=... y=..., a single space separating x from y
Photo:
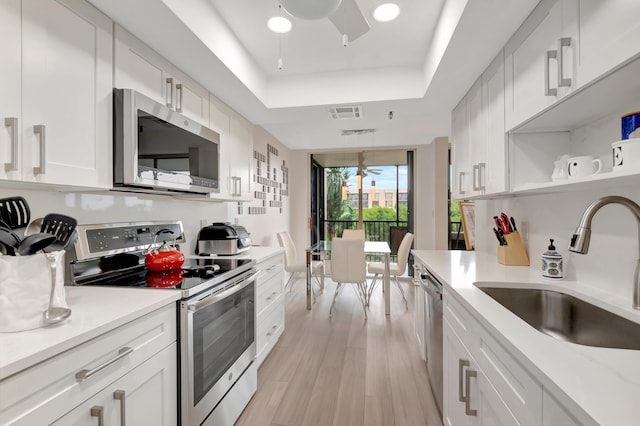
x=220 y=121
x=460 y=151
x=469 y=397
x=10 y=84
x=492 y=168
x=65 y=132
x=477 y=135
x=607 y=34
x=532 y=64
x=139 y=67
x=147 y=395
x=241 y=154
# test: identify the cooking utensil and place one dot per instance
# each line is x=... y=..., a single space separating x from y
x=62 y=227
x=54 y=314
x=8 y=241
x=34 y=226
x=165 y=258
x=15 y=212
x=33 y=243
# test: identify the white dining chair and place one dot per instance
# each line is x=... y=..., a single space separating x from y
x=293 y=265
x=353 y=233
x=395 y=268
x=348 y=267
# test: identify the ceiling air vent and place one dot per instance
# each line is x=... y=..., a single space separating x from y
x=345 y=112
x=357 y=132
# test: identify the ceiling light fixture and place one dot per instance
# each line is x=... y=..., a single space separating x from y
x=310 y=9
x=279 y=24
x=386 y=12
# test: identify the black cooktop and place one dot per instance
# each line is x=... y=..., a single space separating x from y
x=195 y=275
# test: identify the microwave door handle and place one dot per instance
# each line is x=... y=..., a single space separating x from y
x=169 y=95
x=196 y=306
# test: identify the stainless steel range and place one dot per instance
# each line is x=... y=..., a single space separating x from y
x=216 y=320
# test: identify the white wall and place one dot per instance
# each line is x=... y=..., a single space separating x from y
x=264 y=227
x=613 y=251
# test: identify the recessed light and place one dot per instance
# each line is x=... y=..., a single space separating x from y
x=279 y=24
x=386 y=12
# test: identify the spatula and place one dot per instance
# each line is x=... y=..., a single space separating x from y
x=14 y=211
x=62 y=227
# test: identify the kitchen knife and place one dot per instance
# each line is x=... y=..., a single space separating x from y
x=513 y=224
x=498 y=236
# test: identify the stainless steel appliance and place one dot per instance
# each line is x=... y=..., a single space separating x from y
x=216 y=317
x=433 y=333
x=156 y=149
x=222 y=239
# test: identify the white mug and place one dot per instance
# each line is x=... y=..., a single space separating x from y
x=585 y=165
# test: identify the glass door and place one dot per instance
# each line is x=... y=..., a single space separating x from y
x=317 y=202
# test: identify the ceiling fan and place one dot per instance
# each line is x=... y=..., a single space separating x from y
x=345 y=15
x=366 y=170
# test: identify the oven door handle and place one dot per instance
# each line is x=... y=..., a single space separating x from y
x=203 y=303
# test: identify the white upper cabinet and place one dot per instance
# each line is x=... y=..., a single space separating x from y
x=236 y=149
x=493 y=166
x=533 y=57
x=460 y=151
x=139 y=67
x=59 y=130
x=607 y=33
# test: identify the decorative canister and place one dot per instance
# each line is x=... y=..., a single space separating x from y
x=626 y=154
x=552 y=262
x=630 y=122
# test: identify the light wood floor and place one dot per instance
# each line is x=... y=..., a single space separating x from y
x=344 y=370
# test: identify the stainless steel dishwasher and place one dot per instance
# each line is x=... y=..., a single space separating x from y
x=433 y=332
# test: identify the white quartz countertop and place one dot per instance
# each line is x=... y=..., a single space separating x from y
x=95 y=310
x=603 y=382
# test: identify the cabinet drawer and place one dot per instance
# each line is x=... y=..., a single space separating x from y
x=460 y=321
x=48 y=390
x=274 y=266
x=268 y=293
x=520 y=391
x=269 y=330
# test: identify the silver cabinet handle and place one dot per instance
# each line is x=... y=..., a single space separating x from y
x=270 y=333
x=271 y=296
x=169 y=95
x=476 y=173
x=98 y=411
x=239 y=189
x=460 y=177
x=548 y=91
x=462 y=363
x=12 y=124
x=482 y=176
x=85 y=374
x=39 y=130
x=120 y=395
x=563 y=82
x=467 y=404
x=179 y=97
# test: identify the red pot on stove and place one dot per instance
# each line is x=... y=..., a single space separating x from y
x=164 y=258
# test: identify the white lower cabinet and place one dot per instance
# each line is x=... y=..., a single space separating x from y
x=130 y=371
x=129 y=400
x=484 y=384
x=269 y=305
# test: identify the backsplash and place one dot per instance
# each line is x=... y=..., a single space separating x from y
x=107 y=206
x=613 y=252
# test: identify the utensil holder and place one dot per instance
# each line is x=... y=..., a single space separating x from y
x=25 y=290
x=513 y=253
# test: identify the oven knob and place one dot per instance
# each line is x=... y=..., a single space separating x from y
x=230 y=376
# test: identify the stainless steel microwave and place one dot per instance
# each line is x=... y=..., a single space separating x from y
x=158 y=150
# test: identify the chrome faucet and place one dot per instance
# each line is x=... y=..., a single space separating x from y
x=582 y=236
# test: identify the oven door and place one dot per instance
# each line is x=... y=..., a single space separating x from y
x=218 y=345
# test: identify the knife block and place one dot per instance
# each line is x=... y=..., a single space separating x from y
x=513 y=253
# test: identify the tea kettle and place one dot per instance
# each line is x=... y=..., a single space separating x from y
x=165 y=257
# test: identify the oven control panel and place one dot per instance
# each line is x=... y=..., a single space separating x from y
x=104 y=239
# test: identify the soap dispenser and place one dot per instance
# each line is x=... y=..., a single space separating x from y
x=552 y=262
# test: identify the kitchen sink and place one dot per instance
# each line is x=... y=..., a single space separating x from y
x=567 y=318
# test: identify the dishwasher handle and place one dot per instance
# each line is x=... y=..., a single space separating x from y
x=431 y=285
